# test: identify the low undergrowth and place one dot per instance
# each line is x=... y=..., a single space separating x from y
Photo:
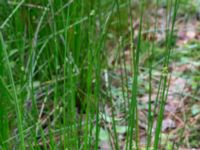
x=73 y=74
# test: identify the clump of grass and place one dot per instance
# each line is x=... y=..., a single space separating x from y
x=52 y=58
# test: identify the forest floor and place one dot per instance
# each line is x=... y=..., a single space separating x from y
x=181 y=123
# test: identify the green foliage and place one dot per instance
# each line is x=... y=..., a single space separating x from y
x=52 y=55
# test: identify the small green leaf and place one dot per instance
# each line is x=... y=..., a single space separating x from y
x=103 y=135
x=121 y=129
x=195 y=109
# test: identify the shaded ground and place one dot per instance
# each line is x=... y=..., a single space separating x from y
x=182 y=111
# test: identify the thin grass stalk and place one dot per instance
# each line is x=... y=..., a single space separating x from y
x=15 y=97
x=150 y=115
x=165 y=73
x=123 y=74
x=133 y=116
x=132 y=64
x=98 y=66
x=65 y=142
